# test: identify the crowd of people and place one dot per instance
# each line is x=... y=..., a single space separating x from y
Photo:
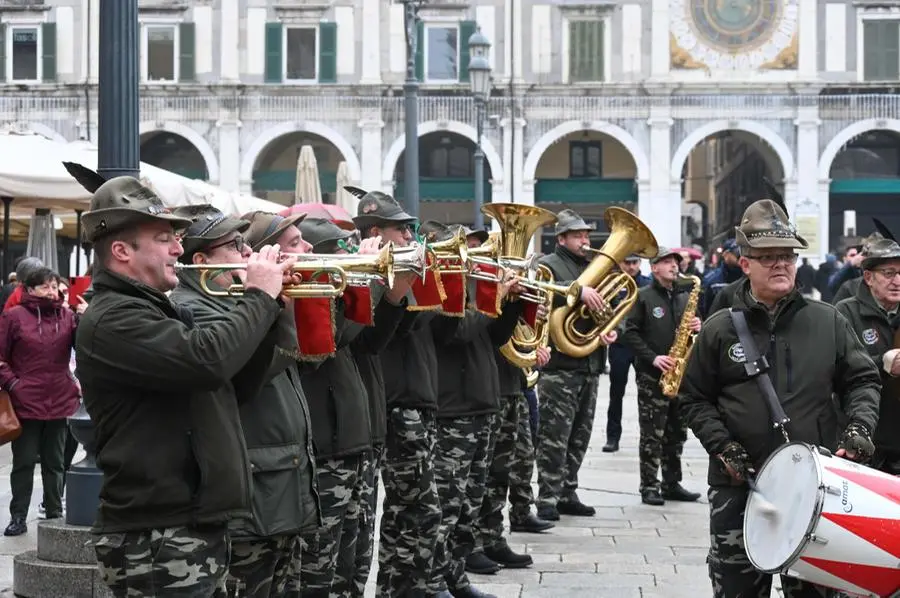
x=270 y=453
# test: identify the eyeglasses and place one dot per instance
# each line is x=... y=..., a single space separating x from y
x=238 y=243
x=769 y=261
x=887 y=273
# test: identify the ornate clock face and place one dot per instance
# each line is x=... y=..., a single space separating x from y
x=732 y=34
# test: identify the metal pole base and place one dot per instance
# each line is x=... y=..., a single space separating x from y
x=83 y=482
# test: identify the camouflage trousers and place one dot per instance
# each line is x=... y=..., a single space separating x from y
x=508 y=470
x=260 y=566
x=173 y=562
x=368 y=504
x=328 y=556
x=567 y=403
x=460 y=468
x=663 y=433
x=521 y=469
x=412 y=510
x=730 y=570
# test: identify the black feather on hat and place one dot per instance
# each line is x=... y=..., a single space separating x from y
x=883 y=230
x=355 y=191
x=774 y=194
x=88 y=179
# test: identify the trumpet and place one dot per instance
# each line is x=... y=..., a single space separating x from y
x=450 y=256
x=341 y=270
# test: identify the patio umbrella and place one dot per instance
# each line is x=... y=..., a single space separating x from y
x=307 y=186
x=326 y=211
x=344 y=198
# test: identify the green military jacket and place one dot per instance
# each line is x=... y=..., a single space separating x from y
x=847 y=290
x=276 y=426
x=652 y=322
x=812 y=352
x=161 y=394
x=876 y=331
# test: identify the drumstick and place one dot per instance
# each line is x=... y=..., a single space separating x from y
x=766 y=507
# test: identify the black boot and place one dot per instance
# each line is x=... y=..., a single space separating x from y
x=651 y=496
x=16 y=527
x=574 y=506
x=548 y=513
x=503 y=554
x=680 y=493
x=479 y=563
x=470 y=592
x=530 y=525
x=611 y=446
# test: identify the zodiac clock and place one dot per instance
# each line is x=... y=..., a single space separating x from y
x=738 y=35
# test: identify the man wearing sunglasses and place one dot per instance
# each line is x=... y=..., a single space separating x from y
x=873 y=313
x=811 y=354
x=274 y=414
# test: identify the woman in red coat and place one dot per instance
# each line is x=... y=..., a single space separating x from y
x=36 y=339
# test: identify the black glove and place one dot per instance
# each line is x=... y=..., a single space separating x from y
x=738 y=459
x=856 y=439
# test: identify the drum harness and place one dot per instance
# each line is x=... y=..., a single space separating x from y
x=757 y=367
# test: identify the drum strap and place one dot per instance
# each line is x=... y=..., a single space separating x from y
x=757 y=367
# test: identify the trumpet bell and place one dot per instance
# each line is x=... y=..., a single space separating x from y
x=412 y=258
x=450 y=255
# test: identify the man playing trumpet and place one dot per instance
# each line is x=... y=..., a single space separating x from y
x=567 y=386
x=275 y=420
x=162 y=394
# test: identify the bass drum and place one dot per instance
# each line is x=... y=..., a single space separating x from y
x=837 y=522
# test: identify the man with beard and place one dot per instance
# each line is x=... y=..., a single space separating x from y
x=873 y=313
x=650 y=331
x=275 y=421
x=811 y=353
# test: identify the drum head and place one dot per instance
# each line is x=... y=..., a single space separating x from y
x=790 y=480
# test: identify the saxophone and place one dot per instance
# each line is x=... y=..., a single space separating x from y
x=670 y=381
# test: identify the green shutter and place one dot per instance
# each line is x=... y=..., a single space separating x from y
x=48 y=45
x=2 y=52
x=328 y=52
x=881 y=50
x=274 y=60
x=891 y=51
x=420 y=51
x=187 y=64
x=871 y=50
x=466 y=30
x=586 y=51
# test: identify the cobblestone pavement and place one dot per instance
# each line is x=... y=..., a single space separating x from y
x=628 y=550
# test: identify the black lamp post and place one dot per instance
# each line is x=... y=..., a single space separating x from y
x=480 y=81
x=411 y=109
x=118 y=154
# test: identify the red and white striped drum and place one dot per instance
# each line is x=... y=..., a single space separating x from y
x=837 y=522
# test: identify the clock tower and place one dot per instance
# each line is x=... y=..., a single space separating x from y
x=734 y=35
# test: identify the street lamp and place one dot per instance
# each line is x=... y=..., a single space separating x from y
x=480 y=82
x=411 y=109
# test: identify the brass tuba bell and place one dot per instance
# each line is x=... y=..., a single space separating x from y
x=518 y=225
x=627 y=235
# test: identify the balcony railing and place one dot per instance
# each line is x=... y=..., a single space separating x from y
x=67 y=110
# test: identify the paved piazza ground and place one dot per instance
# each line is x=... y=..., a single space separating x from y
x=628 y=550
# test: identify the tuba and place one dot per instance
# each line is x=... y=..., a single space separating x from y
x=627 y=235
x=518 y=224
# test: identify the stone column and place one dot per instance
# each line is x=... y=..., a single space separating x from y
x=662 y=209
x=371 y=156
x=807 y=204
x=118 y=151
x=660 y=60
x=371 y=44
x=230 y=153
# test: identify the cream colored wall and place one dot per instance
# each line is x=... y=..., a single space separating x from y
x=617 y=161
x=282 y=153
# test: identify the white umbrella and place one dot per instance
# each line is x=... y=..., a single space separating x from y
x=307 y=188
x=345 y=199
